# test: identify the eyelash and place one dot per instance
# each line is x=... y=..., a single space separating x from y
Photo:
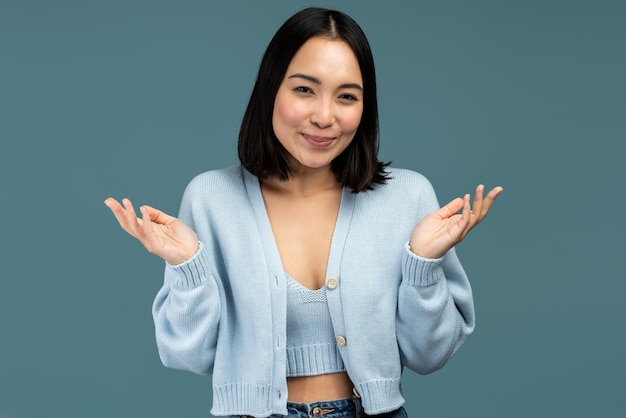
x=348 y=97
x=303 y=89
x=307 y=90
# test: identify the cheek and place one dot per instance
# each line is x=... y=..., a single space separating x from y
x=285 y=112
x=353 y=120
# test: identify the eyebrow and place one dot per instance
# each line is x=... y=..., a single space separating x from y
x=319 y=82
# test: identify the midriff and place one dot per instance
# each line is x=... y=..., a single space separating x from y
x=324 y=387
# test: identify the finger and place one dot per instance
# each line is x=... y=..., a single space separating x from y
x=148 y=228
x=452 y=208
x=114 y=205
x=118 y=211
x=110 y=202
x=132 y=222
x=158 y=216
x=466 y=215
x=494 y=193
x=478 y=200
x=488 y=201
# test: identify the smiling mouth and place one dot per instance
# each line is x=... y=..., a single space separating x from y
x=318 y=141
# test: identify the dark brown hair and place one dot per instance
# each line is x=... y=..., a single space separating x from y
x=261 y=153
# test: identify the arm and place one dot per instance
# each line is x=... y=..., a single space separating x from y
x=187 y=308
x=435 y=304
x=186 y=314
x=435 y=311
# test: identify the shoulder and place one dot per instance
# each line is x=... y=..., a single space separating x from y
x=215 y=188
x=404 y=189
x=403 y=176
x=221 y=179
x=405 y=182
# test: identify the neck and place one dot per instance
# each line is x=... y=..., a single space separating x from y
x=304 y=182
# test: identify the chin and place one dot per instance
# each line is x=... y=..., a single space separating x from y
x=313 y=165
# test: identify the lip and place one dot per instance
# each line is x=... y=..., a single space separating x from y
x=318 y=141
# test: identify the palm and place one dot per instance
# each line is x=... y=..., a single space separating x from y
x=171 y=235
x=443 y=229
x=161 y=234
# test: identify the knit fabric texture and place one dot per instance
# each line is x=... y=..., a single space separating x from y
x=223 y=312
x=311 y=346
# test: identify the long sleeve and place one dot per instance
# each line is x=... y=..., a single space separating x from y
x=435 y=305
x=186 y=310
x=223 y=311
x=186 y=314
x=435 y=311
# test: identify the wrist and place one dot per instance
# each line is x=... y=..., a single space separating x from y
x=425 y=253
x=184 y=256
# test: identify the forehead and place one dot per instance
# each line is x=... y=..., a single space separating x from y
x=326 y=58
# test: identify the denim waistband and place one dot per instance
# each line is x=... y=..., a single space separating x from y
x=340 y=408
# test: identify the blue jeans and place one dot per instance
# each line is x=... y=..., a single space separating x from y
x=341 y=408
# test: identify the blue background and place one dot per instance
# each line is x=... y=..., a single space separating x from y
x=134 y=98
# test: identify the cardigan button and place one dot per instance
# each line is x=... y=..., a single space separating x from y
x=341 y=341
x=332 y=283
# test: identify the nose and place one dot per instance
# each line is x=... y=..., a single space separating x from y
x=323 y=115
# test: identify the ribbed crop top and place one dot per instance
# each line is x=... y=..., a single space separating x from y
x=311 y=346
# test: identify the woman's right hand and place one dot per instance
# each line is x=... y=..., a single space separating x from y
x=160 y=233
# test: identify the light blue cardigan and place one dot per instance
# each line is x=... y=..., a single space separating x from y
x=223 y=312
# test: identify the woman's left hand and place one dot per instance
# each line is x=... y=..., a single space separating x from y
x=443 y=229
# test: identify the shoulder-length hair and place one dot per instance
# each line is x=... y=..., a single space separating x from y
x=259 y=150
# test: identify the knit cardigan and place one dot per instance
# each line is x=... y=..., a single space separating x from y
x=223 y=311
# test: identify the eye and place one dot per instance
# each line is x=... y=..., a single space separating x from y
x=346 y=97
x=303 y=89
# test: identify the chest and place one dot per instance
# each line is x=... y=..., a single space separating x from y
x=303 y=230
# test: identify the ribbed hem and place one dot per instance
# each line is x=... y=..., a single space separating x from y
x=241 y=398
x=312 y=360
x=192 y=272
x=380 y=396
x=418 y=271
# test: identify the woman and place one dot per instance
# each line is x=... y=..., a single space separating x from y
x=307 y=277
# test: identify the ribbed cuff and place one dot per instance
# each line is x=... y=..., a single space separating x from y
x=418 y=271
x=380 y=396
x=192 y=272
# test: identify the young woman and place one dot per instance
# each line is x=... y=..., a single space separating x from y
x=307 y=277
